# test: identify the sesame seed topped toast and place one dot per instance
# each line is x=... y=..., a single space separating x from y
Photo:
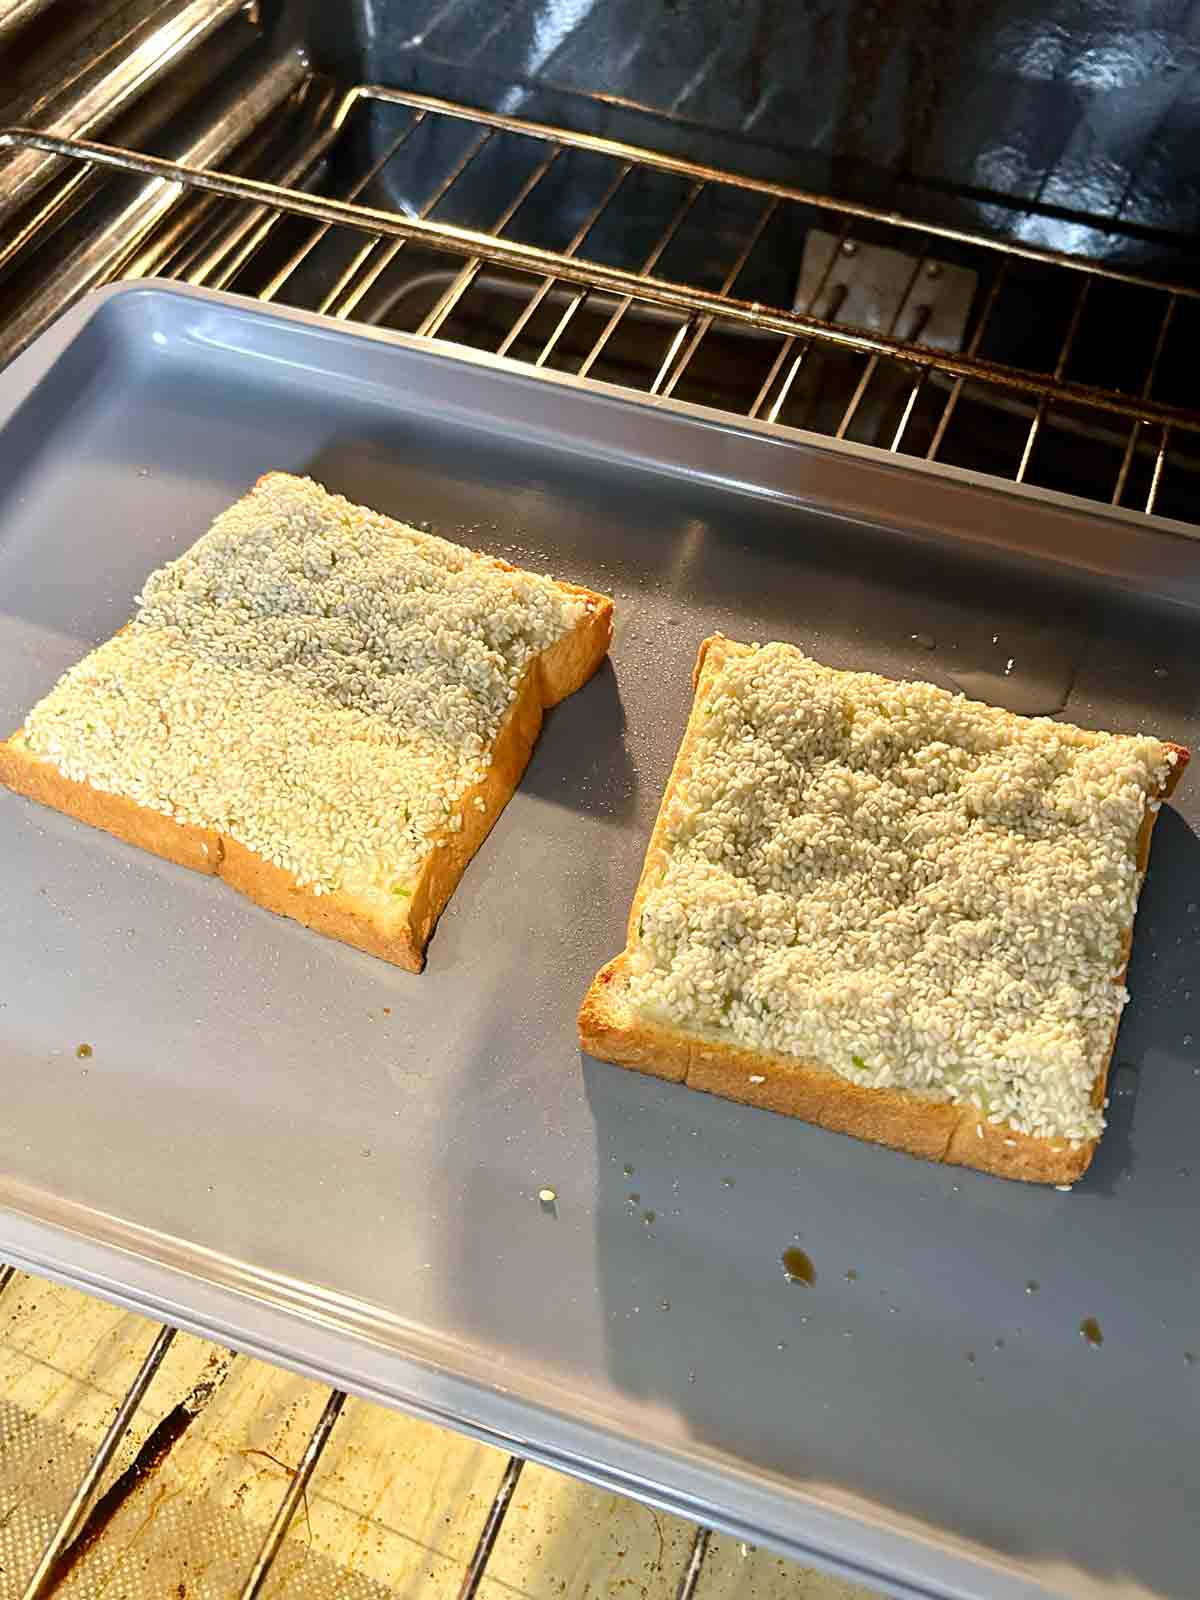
x=324 y=707
x=888 y=910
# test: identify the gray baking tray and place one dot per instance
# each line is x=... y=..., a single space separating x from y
x=289 y=1146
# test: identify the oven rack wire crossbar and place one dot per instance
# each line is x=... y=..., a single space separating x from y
x=1149 y=427
x=161 y=247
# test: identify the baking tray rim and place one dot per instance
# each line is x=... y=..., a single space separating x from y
x=246 y=1306
x=874 y=470
x=256 y=1312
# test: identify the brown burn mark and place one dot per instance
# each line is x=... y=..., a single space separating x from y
x=155 y=1449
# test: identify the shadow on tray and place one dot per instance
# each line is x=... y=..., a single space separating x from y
x=935 y=1366
x=1159 y=1039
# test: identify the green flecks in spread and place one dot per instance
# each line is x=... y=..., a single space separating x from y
x=934 y=893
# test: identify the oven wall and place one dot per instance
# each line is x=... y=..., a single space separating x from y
x=970 y=111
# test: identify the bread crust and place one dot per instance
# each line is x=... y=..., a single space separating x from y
x=400 y=935
x=899 y=1118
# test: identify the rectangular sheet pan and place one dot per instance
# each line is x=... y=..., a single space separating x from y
x=289 y=1146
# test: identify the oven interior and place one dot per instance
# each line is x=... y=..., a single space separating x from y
x=957 y=232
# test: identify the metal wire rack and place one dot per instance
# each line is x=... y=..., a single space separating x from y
x=88 y=1510
x=581 y=254
x=568 y=251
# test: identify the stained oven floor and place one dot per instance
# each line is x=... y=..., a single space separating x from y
x=394 y=1510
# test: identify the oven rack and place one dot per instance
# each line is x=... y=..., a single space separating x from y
x=232 y=230
x=89 y=1511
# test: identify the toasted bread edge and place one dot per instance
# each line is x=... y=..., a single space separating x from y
x=402 y=938
x=933 y=1130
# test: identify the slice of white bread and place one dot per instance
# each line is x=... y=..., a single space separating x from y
x=650 y=1038
x=382 y=580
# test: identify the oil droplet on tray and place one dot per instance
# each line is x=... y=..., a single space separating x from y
x=1032 y=1286
x=727 y=1183
x=851 y=1275
x=83 y=1051
x=1089 y=1329
x=627 y=1170
x=923 y=641
x=648 y=1217
x=798 y=1267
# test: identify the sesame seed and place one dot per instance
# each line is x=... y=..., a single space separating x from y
x=315 y=680
x=917 y=890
